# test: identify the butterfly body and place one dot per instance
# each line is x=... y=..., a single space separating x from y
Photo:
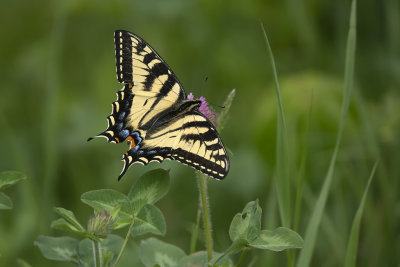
x=154 y=115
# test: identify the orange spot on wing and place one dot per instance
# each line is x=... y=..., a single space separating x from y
x=129 y=138
x=116 y=138
x=130 y=86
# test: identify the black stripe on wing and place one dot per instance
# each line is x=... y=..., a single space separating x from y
x=215 y=161
x=144 y=157
x=126 y=44
x=123 y=56
x=202 y=164
x=117 y=129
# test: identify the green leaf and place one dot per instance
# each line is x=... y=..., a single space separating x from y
x=62 y=224
x=22 y=263
x=282 y=182
x=199 y=259
x=150 y=188
x=154 y=251
x=9 y=178
x=119 y=221
x=246 y=225
x=237 y=245
x=58 y=248
x=122 y=222
x=224 y=115
x=5 y=202
x=115 y=211
x=85 y=253
x=69 y=216
x=113 y=243
x=149 y=220
x=108 y=200
x=277 y=240
x=351 y=251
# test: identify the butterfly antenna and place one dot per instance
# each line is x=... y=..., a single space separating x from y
x=203 y=85
x=201 y=93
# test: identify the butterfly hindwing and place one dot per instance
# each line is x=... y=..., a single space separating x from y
x=190 y=139
x=200 y=146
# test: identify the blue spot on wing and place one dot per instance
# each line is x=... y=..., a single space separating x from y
x=122 y=115
x=124 y=134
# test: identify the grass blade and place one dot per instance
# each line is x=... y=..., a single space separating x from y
x=313 y=226
x=282 y=183
x=50 y=115
x=351 y=252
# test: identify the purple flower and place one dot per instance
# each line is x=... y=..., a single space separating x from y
x=205 y=109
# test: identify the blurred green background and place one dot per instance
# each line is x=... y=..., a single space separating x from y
x=57 y=80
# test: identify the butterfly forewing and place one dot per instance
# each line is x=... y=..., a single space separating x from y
x=155 y=86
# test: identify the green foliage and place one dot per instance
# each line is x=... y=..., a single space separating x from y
x=78 y=252
x=224 y=115
x=277 y=240
x=149 y=220
x=282 y=182
x=150 y=188
x=315 y=220
x=58 y=248
x=245 y=232
x=69 y=216
x=8 y=178
x=112 y=210
x=195 y=259
x=5 y=202
x=351 y=252
x=110 y=248
x=154 y=251
x=246 y=225
x=22 y=263
x=108 y=200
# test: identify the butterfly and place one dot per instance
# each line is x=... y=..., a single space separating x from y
x=153 y=114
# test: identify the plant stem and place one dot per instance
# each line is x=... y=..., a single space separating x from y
x=100 y=253
x=195 y=232
x=242 y=256
x=128 y=234
x=206 y=213
x=94 y=253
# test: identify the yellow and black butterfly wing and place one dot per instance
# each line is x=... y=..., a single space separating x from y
x=191 y=139
x=147 y=113
x=150 y=87
x=200 y=146
x=154 y=85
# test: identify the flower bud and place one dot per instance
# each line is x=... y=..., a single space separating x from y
x=100 y=224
